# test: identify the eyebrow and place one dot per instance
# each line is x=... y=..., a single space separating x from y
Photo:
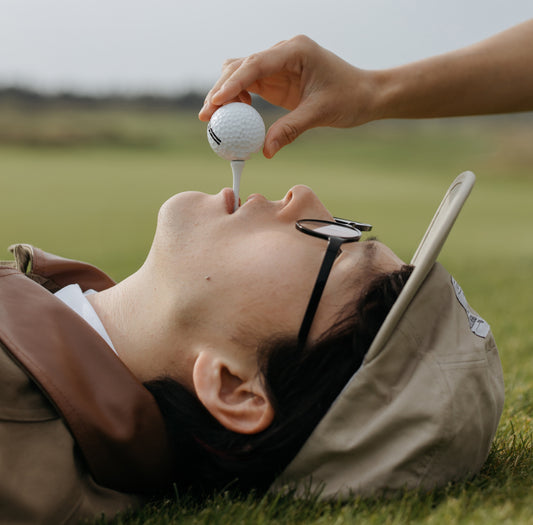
x=369 y=249
x=373 y=238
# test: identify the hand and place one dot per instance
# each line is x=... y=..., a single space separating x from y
x=318 y=87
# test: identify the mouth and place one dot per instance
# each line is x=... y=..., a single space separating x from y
x=229 y=200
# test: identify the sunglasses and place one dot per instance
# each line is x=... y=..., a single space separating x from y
x=336 y=232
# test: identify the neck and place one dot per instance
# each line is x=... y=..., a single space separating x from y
x=137 y=315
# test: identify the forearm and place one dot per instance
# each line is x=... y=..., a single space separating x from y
x=492 y=76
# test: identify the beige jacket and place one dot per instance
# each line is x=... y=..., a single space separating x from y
x=79 y=435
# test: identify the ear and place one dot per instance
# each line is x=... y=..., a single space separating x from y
x=236 y=398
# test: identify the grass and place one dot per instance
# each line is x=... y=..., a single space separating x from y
x=88 y=185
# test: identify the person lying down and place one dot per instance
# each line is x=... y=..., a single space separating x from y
x=272 y=347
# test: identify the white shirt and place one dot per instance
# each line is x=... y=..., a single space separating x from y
x=73 y=297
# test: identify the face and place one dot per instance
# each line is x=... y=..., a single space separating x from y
x=248 y=275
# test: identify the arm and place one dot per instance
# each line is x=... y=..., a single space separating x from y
x=320 y=89
x=492 y=76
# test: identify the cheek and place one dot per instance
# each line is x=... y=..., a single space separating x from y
x=271 y=308
x=272 y=284
x=274 y=262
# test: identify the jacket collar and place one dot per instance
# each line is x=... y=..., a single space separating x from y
x=114 y=419
x=54 y=272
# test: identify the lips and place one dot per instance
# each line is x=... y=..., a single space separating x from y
x=254 y=196
x=229 y=199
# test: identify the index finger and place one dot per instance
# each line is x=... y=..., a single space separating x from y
x=227 y=69
x=251 y=69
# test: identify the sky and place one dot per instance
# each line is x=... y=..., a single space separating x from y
x=164 y=46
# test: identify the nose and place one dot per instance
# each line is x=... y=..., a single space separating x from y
x=303 y=203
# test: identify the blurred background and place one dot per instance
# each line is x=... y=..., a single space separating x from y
x=98 y=127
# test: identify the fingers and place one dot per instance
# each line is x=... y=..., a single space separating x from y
x=209 y=107
x=245 y=97
x=272 y=73
x=248 y=72
x=240 y=74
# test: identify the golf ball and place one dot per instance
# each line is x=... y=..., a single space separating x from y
x=235 y=131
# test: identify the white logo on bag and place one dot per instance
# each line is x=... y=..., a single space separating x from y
x=478 y=326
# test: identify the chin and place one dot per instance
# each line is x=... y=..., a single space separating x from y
x=181 y=205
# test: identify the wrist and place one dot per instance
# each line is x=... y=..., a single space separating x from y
x=353 y=98
x=385 y=94
x=371 y=95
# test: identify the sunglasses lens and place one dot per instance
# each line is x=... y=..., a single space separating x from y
x=327 y=229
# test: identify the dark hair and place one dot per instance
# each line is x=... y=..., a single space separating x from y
x=301 y=384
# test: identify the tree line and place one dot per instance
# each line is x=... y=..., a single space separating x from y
x=27 y=98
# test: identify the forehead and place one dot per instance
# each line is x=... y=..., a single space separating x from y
x=360 y=262
x=373 y=253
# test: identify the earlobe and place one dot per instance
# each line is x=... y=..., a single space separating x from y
x=235 y=398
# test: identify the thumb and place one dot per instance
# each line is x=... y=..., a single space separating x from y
x=289 y=127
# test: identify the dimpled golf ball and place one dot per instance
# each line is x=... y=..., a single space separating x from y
x=235 y=131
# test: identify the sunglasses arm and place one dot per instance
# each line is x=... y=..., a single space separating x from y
x=334 y=245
